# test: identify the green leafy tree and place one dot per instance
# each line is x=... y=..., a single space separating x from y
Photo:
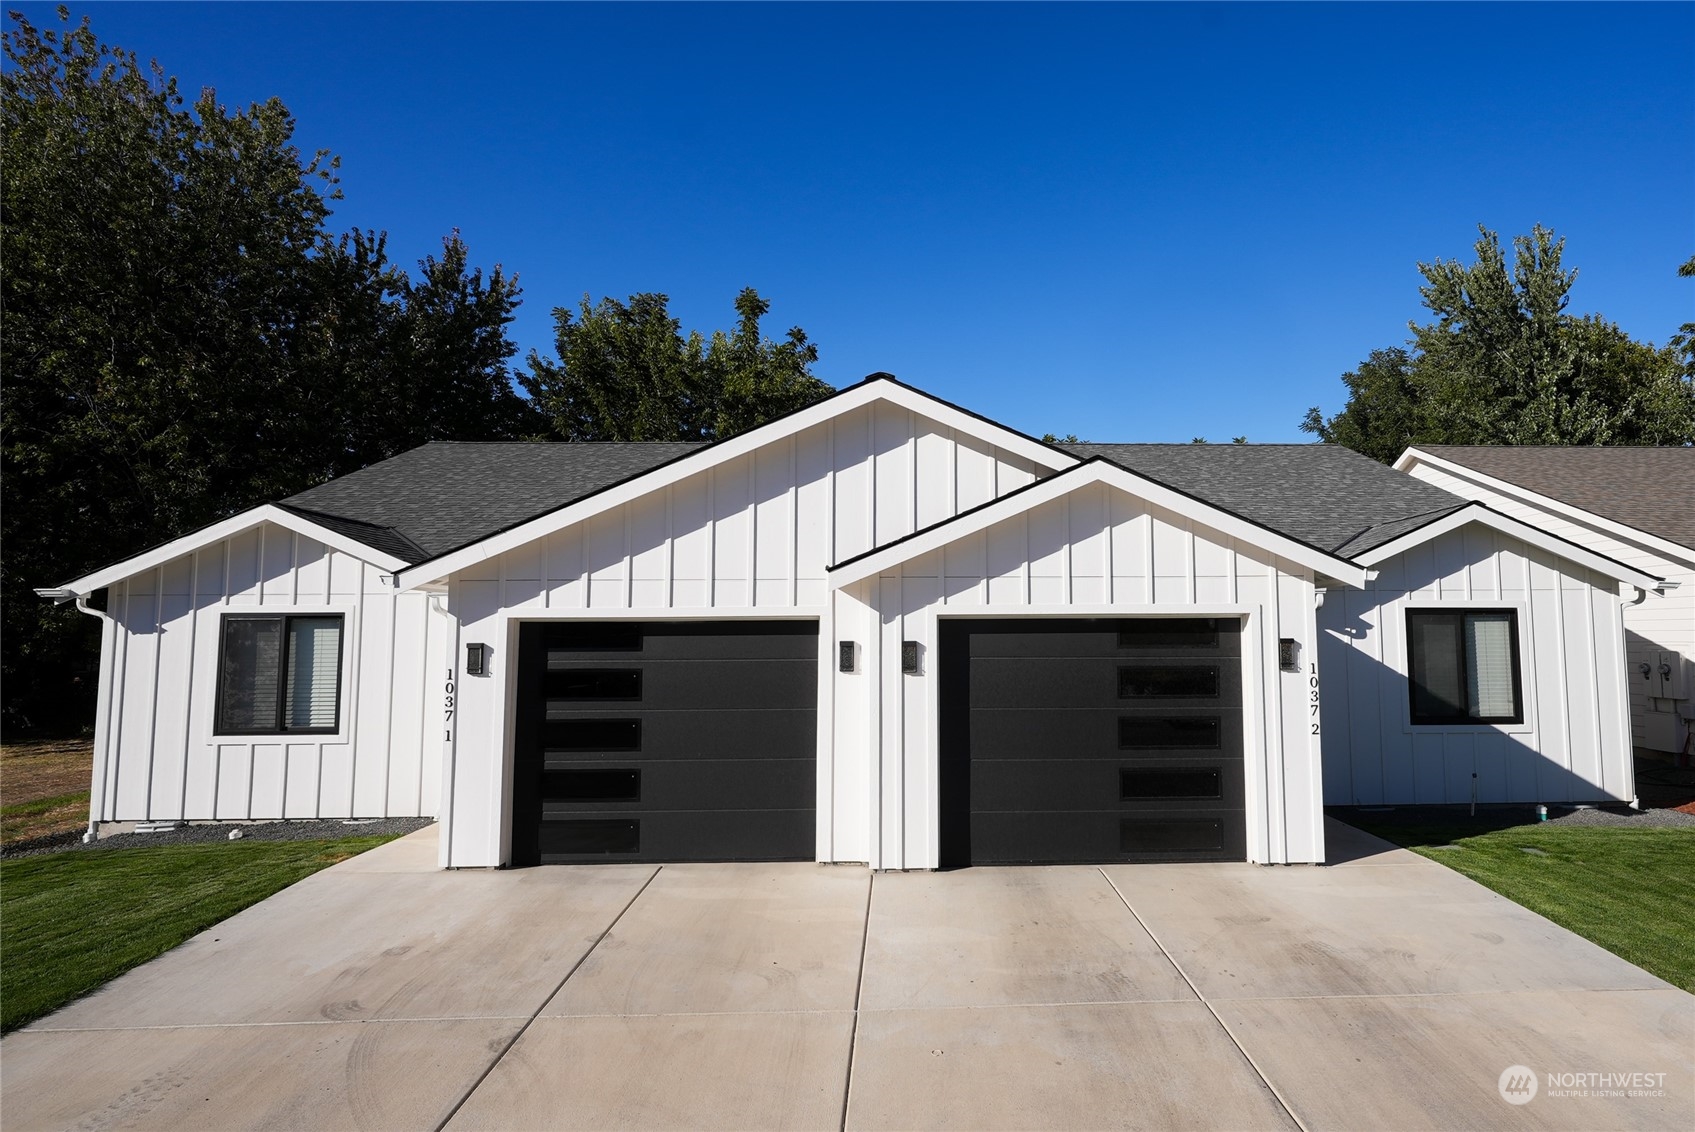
x=626 y=371
x=183 y=339
x=1505 y=363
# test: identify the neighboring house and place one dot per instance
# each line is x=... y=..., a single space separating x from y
x=881 y=629
x=1635 y=505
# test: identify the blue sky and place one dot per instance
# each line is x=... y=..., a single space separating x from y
x=1136 y=222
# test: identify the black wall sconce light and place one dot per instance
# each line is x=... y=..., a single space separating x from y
x=845 y=651
x=909 y=657
x=1288 y=654
x=476 y=660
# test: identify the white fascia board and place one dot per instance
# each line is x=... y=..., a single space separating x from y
x=1095 y=471
x=1677 y=552
x=226 y=528
x=1476 y=512
x=665 y=475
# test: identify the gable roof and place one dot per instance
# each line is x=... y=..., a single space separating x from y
x=445 y=494
x=1096 y=469
x=1324 y=495
x=1647 y=489
x=1479 y=512
x=878 y=387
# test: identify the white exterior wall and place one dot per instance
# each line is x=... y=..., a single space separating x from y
x=1574 y=743
x=1096 y=552
x=747 y=538
x=1657 y=623
x=156 y=757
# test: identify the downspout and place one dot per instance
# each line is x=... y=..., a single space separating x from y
x=60 y=596
x=1635 y=797
x=102 y=697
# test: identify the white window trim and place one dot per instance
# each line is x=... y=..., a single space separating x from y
x=1396 y=645
x=206 y=710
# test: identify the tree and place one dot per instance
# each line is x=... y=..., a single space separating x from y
x=184 y=339
x=1504 y=363
x=627 y=372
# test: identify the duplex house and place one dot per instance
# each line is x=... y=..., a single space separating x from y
x=882 y=629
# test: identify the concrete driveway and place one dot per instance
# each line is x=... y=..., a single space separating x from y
x=1380 y=992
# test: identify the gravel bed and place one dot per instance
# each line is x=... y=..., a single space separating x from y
x=325 y=830
x=1508 y=817
x=1636 y=819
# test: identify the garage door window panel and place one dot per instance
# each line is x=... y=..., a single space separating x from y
x=1160 y=733
x=594 y=734
x=1136 y=783
x=279 y=675
x=1167 y=681
x=620 y=785
x=1463 y=667
x=595 y=684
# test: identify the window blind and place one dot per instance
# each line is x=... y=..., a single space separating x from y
x=314 y=672
x=1489 y=668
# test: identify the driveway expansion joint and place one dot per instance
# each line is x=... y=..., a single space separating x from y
x=1260 y=1073
x=858 y=995
x=507 y=1048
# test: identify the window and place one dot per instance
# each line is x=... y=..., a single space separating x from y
x=279 y=675
x=1463 y=666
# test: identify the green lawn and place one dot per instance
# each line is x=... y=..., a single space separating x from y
x=71 y=921
x=1630 y=890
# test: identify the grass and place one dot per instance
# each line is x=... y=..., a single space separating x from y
x=43 y=788
x=71 y=921
x=1632 y=891
x=43 y=817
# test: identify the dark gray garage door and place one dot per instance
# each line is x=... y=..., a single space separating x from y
x=665 y=742
x=1091 y=740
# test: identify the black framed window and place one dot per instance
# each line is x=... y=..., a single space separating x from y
x=1463 y=666
x=279 y=675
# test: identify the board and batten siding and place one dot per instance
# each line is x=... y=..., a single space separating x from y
x=1574 y=743
x=1658 y=622
x=157 y=757
x=749 y=537
x=1096 y=552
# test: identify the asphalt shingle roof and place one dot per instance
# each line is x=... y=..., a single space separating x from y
x=1651 y=489
x=445 y=495
x=1322 y=494
x=439 y=497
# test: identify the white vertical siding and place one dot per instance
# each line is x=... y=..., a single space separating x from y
x=749 y=537
x=157 y=757
x=1655 y=624
x=1097 y=552
x=1574 y=743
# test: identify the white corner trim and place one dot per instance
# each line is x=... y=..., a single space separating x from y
x=227 y=528
x=1675 y=551
x=847 y=401
x=1482 y=513
x=1066 y=482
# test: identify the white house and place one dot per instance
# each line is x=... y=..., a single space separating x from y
x=1635 y=505
x=881 y=629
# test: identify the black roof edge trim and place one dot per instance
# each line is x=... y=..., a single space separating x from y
x=710 y=445
x=310 y=514
x=1434 y=515
x=1478 y=503
x=1067 y=471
